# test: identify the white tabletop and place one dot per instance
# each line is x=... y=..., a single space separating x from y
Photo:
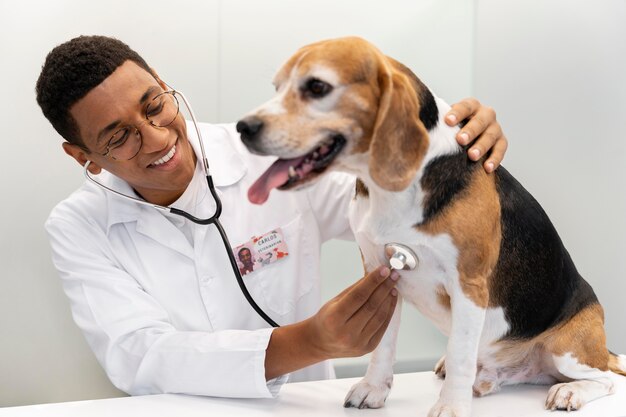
x=412 y=395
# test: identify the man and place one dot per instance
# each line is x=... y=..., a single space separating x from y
x=153 y=293
x=246 y=261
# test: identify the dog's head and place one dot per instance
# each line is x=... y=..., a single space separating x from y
x=340 y=104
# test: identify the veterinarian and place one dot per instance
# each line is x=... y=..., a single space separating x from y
x=154 y=293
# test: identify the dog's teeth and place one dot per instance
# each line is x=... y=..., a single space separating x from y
x=315 y=155
x=292 y=172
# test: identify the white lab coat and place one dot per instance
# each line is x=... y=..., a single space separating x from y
x=163 y=316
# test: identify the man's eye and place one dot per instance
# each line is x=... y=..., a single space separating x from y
x=316 y=88
x=119 y=138
x=154 y=109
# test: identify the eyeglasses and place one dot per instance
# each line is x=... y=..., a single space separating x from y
x=126 y=143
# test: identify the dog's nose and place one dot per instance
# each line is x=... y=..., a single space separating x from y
x=249 y=127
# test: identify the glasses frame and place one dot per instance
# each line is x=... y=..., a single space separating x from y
x=137 y=132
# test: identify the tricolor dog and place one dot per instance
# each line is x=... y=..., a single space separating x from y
x=493 y=273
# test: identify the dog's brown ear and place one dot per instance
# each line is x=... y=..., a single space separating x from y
x=399 y=140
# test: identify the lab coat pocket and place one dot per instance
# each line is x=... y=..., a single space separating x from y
x=282 y=283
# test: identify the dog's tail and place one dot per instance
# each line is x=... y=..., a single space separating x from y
x=617 y=363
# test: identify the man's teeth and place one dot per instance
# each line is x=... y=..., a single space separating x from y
x=166 y=158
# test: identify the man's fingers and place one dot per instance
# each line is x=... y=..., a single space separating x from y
x=360 y=293
x=372 y=307
x=380 y=323
x=484 y=118
x=485 y=142
x=462 y=110
x=497 y=154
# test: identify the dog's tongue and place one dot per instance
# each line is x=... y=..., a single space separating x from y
x=275 y=176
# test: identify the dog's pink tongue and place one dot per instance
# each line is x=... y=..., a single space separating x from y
x=275 y=176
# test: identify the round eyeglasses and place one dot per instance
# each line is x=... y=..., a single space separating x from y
x=126 y=143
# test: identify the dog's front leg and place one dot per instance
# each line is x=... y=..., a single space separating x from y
x=461 y=357
x=372 y=390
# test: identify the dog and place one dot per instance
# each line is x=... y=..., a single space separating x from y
x=493 y=273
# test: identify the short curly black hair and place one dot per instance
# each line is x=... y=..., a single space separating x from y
x=74 y=68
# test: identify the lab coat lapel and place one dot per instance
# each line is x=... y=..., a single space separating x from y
x=144 y=220
x=154 y=225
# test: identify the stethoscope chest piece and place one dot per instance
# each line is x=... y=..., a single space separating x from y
x=401 y=256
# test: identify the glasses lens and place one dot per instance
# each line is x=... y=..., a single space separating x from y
x=124 y=144
x=163 y=109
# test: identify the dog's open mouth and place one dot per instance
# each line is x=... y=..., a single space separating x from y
x=288 y=173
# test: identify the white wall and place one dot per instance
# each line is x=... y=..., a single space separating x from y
x=552 y=69
x=222 y=54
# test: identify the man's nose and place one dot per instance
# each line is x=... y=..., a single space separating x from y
x=249 y=128
x=154 y=138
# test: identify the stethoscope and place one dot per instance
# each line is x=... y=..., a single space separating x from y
x=214 y=219
x=400 y=257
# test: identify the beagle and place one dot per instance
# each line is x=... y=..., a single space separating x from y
x=493 y=273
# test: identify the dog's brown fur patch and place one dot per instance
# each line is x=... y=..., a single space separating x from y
x=582 y=336
x=361 y=189
x=473 y=223
x=614 y=365
x=443 y=298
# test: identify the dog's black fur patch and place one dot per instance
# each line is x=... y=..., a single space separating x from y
x=445 y=178
x=535 y=279
x=429 y=113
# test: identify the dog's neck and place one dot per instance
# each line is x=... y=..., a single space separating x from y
x=388 y=204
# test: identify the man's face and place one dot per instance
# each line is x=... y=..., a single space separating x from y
x=245 y=257
x=121 y=100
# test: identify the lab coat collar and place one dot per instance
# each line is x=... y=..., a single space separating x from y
x=225 y=164
x=226 y=167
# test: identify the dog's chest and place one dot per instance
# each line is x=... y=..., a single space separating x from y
x=437 y=255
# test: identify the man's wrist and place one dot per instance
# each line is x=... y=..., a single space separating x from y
x=293 y=347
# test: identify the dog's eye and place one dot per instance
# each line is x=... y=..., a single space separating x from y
x=316 y=88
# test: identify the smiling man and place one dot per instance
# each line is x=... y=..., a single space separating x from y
x=154 y=293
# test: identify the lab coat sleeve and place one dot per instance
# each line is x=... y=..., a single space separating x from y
x=329 y=199
x=132 y=336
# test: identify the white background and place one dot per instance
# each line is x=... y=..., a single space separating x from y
x=553 y=70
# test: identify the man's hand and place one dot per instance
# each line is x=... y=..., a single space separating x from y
x=351 y=324
x=482 y=129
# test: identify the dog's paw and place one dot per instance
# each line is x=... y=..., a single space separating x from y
x=565 y=396
x=366 y=395
x=440 y=368
x=449 y=410
x=482 y=388
x=486 y=382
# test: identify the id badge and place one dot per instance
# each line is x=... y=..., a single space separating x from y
x=261 y=251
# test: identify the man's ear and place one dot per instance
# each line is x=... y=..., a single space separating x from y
x=80 y=155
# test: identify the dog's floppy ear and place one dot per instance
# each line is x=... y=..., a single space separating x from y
x=399 y=139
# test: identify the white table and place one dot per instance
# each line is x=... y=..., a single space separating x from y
x=412 y=395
